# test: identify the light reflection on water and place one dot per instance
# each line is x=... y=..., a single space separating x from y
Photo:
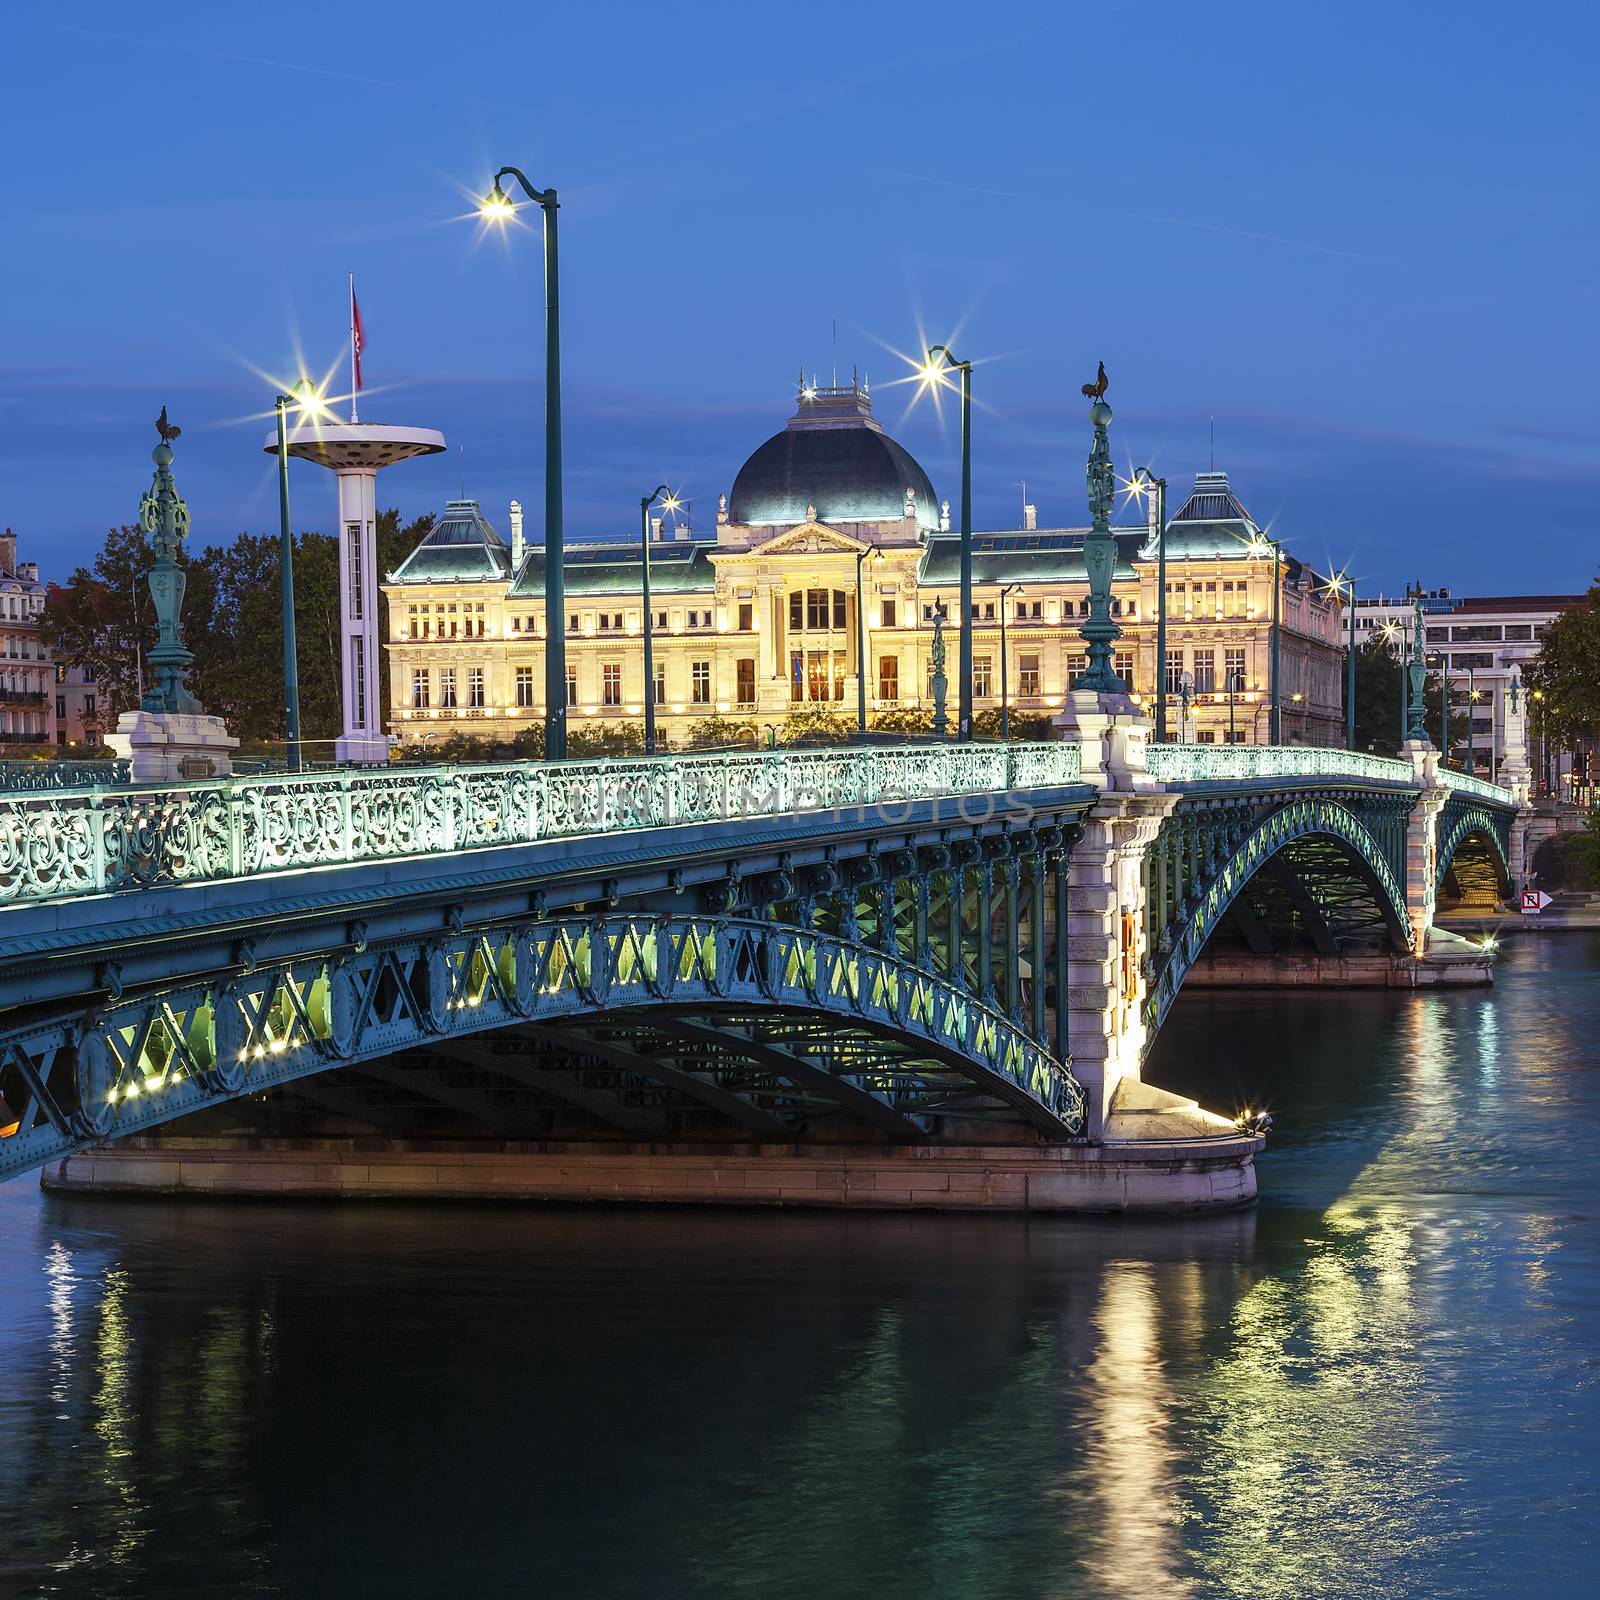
x=1382 y=1382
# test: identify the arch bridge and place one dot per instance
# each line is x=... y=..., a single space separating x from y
x=914 y=945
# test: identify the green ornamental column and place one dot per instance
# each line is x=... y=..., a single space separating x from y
x=1100 y=558
x=165 y=518
x=1416 y=710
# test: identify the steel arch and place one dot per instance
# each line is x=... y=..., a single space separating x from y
x=1461 y=819
x=1302 y=817
x=75 y=1080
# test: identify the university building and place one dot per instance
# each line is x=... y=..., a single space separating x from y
x=831 y=557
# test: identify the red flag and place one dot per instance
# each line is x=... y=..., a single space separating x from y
x=358 y=339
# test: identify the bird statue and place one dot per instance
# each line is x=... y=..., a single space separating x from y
x=1097 y=389
x=168 y=432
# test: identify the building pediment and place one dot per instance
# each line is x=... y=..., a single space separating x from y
x=809 y=539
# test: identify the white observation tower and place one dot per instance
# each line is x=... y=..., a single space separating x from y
x=355 y=452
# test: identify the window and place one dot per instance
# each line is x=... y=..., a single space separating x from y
x=1478 y=633
x=1233 y=679
x=797 y=675
x=1205 y=736
x=697 y=619
x=1174 y=671
x=1077 y=666
x=982 y=686
x=889 y=611
x=1028 y=676
x=888 y=677
x=524 y=687
x=90 y=706
x=1476 y=659
x=611 y=684
x=411 y=618
x=1122 y=665
x=358 y=678
x=61 y=707
x=475 y=688
x=447 y=688
x=1437 y=635
x=611 y=622
x=572 y=684
x=661 y=683
x=1516 y=632
x=1236 y=736
x=700 y=683
x=747 y=616
x=516 y=624
x=419 y=687
x=745 y=681
x=1205 y=672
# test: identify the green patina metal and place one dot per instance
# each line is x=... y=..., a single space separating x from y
x=165 y=518
x=1099 y=560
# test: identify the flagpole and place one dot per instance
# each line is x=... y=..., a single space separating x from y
x=352 y=347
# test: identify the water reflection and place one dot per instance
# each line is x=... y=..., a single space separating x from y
x=1381 y=1382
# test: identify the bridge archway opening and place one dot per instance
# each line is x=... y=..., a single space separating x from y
x=1475 y=877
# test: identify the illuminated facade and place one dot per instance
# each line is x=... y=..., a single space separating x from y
x=830 y=554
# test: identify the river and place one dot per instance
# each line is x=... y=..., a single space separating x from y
x=1383 y=1381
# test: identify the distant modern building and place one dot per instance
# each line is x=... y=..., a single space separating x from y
x=831 y=557
x=27 y=679
x=1482 y=642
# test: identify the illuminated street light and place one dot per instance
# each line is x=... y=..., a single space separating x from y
x=1338 y=585
x=306 y=399
x=1143 y=482
x=1258 y=548
x=497 y=208
x=669 y=503
x=1005 y=684
x=932 y=371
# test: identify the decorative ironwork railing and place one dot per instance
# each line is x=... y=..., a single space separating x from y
x=31 y=775
x=89 y=841
x=1211 y=763
x=1465 y=783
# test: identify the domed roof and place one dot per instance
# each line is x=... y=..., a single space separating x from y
x=833 y=455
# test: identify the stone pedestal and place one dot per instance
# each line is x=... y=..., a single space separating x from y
x=174 y=746
x=370 y=748
x=1422 y=841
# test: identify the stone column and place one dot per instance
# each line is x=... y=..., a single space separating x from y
x=1106 y=945
x=1422 y=841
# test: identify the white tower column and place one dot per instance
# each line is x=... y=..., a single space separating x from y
x=360 y=646
x=356 y=453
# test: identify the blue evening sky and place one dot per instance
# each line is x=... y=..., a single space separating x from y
x=1362 y=237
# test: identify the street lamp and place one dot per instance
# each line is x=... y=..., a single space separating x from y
x=1472 y=739
x=1235 y=682
x=1259 y=547
x=1185 y=691
x=304 y=398
x=497 y=208
x=1337 y=585
x=670 y=503
x=1005 y=680
x=1145 y=481
x=932 y=371
x=861 y=640
x=1444 y=704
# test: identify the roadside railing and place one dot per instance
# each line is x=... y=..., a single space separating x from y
x=1222 y=763
x=63 y=843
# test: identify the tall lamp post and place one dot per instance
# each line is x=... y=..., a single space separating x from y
x=1472 y=737
x=1235 y=683
x=304 y=397
x=1444 y=707
x=1342 y=584
x=1005 y=676
x=940 y=360
x=1259 y=548
x=1144 y=482
x=669 y=503
x=497 y=207
x=861 y=640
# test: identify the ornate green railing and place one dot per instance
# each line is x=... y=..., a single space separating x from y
x=1224 y=763
x=25 y=776
x=1464 y=783
x=58 y=844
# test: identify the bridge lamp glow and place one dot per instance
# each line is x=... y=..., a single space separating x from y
x=496 y=206
x=308 y=400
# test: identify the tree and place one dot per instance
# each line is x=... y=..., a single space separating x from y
x=816 y=725
x=1378 y=690
x=722 y=733
x=102 y=619
x=1567 y=674
x=1026 y=726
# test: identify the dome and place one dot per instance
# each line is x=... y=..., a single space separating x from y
x=833 y=455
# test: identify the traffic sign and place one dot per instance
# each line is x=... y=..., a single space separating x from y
x=1534 y=901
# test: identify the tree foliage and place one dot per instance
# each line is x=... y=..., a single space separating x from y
x=1378 y=691
x=103 y=619
x=1566 y=673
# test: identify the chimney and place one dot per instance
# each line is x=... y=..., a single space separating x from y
x=1030 y=516
x=518 y=548
x=655 y=530
x=8 y=553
